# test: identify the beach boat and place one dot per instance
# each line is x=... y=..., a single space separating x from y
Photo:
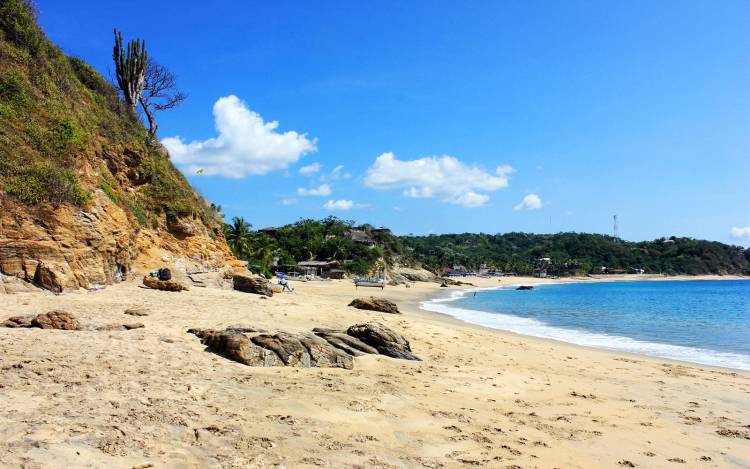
x=360 y=282
x=525 y=287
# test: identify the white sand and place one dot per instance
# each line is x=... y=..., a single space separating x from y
x=480 y=398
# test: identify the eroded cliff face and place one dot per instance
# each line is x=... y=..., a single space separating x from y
x=69 y=247
x=86 y=197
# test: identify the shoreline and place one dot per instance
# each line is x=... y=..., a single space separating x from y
x=480 y=397
x=432 y=305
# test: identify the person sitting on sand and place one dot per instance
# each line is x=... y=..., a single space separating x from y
x=285 y=286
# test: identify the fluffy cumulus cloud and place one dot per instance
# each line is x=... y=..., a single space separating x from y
x=740 y=233
x=530 y=202
x=320 y=191
x=310 y=169
x=444 y=177
x=342 y=205
x=246 y=145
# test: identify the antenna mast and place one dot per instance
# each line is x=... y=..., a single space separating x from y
x=616 y=229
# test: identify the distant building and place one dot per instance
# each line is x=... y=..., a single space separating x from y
x=318 y=268
x=362 y=237
x=269 y=231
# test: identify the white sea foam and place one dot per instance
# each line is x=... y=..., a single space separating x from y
x=536 y=328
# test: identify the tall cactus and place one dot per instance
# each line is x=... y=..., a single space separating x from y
x=130 y=68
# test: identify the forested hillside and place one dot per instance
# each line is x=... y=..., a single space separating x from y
x=573 y=253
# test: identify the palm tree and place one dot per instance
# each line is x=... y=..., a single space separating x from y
x=263 y=251
x=239 y=237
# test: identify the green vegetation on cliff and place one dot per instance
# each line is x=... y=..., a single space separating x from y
x=64 y=133
x=578 y=253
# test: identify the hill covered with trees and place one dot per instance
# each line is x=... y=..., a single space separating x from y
x=360 y=249
x=577 y=253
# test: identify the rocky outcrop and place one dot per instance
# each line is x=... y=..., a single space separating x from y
x=249 y=284
x=183 y=227
x=85 y=200
x=325 y=348
x=63 y=321
x=384 y=340
x=375 y=304
x=66 y=247
x=10 y=285
x=51 y=320
x=411 y=274
x=137 y=311
x=120 y=327
x=165 y=285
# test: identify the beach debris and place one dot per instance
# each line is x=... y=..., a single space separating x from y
x=137 y=311
x=375 y=304
x=248 y=284
x=324 y=348
x=165 y=285
x=525 y=287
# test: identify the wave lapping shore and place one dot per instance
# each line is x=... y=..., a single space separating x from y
x=497 y=313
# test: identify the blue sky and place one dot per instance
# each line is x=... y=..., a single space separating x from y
x=640 y=109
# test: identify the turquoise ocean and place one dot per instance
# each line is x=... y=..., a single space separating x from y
x=699 y=321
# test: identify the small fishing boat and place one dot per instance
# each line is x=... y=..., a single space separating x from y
x=360 y=282
x=525 y=287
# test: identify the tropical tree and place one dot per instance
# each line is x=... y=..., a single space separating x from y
x=239 y=237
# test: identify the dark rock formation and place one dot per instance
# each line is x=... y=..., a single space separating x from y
x=376 y=304
x=17 y=321
x=345 y=342
x=323 y=348
x=62 y=321
x=166 y=285
x=51 y=320
x=248 y=284
x=238 y=347
x=56 y=320
x=386 y=341
x=525 y=287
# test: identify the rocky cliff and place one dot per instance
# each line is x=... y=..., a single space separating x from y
x=85 y=197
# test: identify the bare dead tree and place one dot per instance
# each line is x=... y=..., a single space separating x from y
x=160 y=93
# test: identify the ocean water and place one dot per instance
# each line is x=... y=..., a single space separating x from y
x=706 y=322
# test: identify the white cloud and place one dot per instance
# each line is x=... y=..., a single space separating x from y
x=740 y=232
x=530 y=202
x=246 y=145
x=288 y=201
x=310 y=169
x=320 y=191
x=444 y=177
x=342 y=205
x=335 y=175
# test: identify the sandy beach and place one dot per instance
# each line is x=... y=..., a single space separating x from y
x=479 y=398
